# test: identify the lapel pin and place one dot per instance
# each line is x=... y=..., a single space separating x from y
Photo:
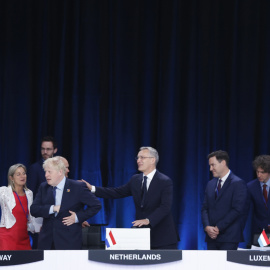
x=68 y=190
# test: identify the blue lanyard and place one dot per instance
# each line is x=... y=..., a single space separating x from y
x=26 y=214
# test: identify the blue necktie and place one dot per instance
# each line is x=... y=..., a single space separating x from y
x=144 y=191
x=54 y=193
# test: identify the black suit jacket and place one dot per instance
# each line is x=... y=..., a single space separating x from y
x=157 y=207
x=75 y=196
x=261 y=213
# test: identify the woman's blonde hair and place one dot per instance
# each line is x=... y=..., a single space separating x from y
x=11 y=173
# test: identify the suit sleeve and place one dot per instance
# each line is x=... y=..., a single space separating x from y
x=38 y=209
x=114 y=193
x=204 y=212
x=238 y=206
x=92 y=203
x=165 y=204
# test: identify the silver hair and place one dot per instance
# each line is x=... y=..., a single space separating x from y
x=56 y=162
x=152 y=151
x=11 y=173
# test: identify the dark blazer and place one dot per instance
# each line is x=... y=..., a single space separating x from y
x=261 y=213
x=35 y=176
x=157 y=207
x=75 y=196
x=227 y=212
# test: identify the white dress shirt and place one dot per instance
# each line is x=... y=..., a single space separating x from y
x=224 y=178
x=149 y=178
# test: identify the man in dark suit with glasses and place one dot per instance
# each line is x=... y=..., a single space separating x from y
x=152 y=194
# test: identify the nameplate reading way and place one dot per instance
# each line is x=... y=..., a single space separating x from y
x=20 y=257
x=133 y=257
x=259 y=258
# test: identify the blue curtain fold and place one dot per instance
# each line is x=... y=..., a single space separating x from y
x=106 y=77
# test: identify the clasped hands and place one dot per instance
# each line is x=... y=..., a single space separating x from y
x=212 y=231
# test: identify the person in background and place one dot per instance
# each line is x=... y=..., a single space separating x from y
x=66 y=165
x=258 y=190
x=224 y=205
x=36 y=174
x=15 y=201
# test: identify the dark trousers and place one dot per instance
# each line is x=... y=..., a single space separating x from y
x=222 y=246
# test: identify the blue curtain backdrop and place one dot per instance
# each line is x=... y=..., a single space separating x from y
x=105 y=77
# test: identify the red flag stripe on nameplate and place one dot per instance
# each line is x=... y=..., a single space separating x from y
x=265 y=237
x=112 y=238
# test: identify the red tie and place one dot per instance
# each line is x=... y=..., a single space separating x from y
x=218 y=188
x=265 y=193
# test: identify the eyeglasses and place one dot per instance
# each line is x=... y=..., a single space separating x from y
x=46 y=149
x=142 y=158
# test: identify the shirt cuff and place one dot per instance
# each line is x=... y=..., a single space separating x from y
x=51 y=210
x=93 y=190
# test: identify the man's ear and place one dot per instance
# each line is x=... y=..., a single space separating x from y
x=55 y=150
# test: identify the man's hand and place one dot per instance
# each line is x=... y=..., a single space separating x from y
x=87 y=184
x=85 y=224
x=140 y=222
x=56 y=208
x=212 y=231
x=69 y=220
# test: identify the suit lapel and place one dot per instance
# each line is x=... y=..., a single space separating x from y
x=259 y=194
x=66 y=195
x=50 y=195
x=152 y=187
x=213 y=185
x=268 y=200
x=153 y=183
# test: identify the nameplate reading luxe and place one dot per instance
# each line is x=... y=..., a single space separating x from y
x=133 y=257
x=259 y=258
x=20 y=257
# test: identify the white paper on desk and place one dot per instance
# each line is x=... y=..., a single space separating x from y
x=128 y=239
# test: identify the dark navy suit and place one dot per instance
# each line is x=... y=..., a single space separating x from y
x=35 y=176
x=261 y=213
x=75 y=196
x=227 y=211
x=157 y=206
